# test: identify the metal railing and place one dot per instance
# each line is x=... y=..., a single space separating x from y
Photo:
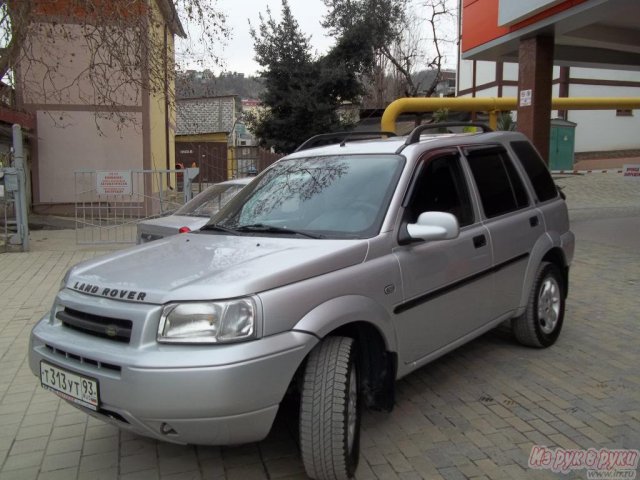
x=109 y=204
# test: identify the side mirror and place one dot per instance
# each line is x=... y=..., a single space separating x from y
x=434 y=226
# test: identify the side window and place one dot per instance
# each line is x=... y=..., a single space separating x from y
x=536 y=170
x=500 y=188
x=441 y=187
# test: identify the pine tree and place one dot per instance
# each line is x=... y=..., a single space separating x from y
x=302 y=93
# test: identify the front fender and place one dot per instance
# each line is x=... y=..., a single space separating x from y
x=340 y=311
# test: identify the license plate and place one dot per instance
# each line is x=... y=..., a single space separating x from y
x=70 y=386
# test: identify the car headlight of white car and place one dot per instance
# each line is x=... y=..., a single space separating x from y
x=208 y=322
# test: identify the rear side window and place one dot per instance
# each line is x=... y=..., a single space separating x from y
x=500 y=188
x=536 y=170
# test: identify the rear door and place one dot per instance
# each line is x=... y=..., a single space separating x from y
x=513 y=222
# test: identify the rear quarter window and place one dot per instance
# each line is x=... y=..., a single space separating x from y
x=536 y=170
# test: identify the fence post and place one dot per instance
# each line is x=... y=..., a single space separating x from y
x=189 y=175
x=22 y=220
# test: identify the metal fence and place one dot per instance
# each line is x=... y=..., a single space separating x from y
x=108 y=204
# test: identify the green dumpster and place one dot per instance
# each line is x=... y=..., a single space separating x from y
x=562 y=144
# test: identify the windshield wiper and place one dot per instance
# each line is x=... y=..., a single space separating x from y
x=219 y=228
x=263 y=228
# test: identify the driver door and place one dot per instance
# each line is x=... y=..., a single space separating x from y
x=446 y=284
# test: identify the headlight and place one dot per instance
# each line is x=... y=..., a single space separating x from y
x=208 y=322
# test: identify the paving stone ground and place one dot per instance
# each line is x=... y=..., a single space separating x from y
x=473 y=414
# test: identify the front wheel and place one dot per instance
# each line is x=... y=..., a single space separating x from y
x=540 y=324
x=330 y=411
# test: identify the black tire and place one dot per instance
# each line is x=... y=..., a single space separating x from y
x=328 y=409
x=539 y=326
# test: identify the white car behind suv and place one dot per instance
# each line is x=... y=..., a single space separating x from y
x=193 y=214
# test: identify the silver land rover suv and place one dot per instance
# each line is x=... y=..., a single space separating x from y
x=338 y=270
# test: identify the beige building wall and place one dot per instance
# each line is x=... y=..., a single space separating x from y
x=61 y=78
x=80 y=130
x=62 y=151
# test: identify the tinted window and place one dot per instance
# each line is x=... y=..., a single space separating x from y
x=536 y=170
x=500 y=188
x=441 y=188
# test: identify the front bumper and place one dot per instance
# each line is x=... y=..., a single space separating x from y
x=206 y=394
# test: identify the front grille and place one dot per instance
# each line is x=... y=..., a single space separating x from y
x=115 y=329
x=85 y=360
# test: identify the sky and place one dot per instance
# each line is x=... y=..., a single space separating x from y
x=238 y=53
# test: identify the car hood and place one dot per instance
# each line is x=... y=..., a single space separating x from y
x=211 y=266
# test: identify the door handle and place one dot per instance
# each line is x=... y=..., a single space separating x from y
x=533 y=221
x=479 y=241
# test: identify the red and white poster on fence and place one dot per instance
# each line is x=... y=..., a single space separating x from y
x=113 y=183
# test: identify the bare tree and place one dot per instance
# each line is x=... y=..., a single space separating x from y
x=406 y=55
x=440 y=17
x=428 y=27
x=407 y=61
x=103 y=53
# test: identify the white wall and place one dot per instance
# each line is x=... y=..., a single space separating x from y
x=485 y=72
x=510 y=71
x=465 y=75
x=603 y=130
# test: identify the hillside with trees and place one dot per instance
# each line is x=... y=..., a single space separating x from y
x=197 y=84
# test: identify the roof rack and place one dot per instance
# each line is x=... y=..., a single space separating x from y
x=341 y=138
x=414 y=136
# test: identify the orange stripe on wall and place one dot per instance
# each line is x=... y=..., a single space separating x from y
x=480 y=21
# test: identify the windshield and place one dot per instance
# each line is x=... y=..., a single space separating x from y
x=207 y=203
x=333 y=197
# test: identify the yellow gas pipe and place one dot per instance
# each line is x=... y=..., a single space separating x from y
x=495 y=105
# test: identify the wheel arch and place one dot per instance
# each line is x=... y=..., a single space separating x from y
x=547 y=249
x=370 y=326
x=378 y=366
x=557 y=257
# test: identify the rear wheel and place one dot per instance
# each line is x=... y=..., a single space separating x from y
x=540 y=324
x=330 y=410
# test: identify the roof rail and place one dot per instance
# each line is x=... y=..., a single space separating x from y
x=414 y=136
x=340 y=137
